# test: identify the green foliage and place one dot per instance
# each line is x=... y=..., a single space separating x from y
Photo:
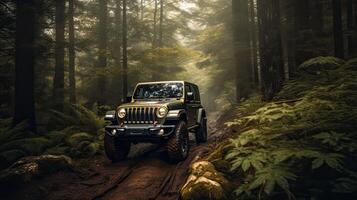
x=307 y=136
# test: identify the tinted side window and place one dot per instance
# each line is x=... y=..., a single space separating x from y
x=187 y=89
x=196 y=93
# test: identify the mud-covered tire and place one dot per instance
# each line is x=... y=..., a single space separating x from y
x=201 y=132
x=114 y=149
x=178 y=144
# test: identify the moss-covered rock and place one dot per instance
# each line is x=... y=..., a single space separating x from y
x=204 y=182
x=29 y=168
x=9 y=157
x=319 y=64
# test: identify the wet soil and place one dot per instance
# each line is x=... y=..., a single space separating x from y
x=146 y=174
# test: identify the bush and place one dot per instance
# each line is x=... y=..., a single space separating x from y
x=305 y=143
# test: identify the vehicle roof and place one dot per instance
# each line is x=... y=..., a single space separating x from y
x=144 y=83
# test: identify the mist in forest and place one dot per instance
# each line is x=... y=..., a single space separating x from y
x=65 y=63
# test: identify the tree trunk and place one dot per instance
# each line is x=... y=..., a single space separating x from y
x=118 y=40
x=161 y=22
x=71 y=53
x=302 y=16
x=241 y=47
x=350 y=27
x=154 y=40
x=141 y=10
x=58 y=82
x=125 y=54
x=254 y=47
x=284 y=38
x=317 y=17
x=26 y=29
x=337 y=28
x=102 y=47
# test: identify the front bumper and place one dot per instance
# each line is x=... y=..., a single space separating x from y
x=141 y=132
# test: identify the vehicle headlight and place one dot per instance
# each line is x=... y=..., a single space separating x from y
x=121 y=113
x=161 y=112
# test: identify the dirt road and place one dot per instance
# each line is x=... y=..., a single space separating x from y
x=146 y=174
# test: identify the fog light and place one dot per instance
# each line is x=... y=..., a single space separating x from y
x=161 y=132
x=114 y=132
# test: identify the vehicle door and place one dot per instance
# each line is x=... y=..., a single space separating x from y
x=196 y=105
x=190 y=104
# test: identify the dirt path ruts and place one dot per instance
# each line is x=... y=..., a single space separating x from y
x=146 y=174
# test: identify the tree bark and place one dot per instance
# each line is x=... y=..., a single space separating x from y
x=71 y=53
x=337 y=28
x=118 y=39
x=254 y=47
x=302 y=24
x=125 y=54
x=58 y=82
x=26 y=29
x=102 y=47
x=350 y=27
x=154 y=40
x=141 y=10
x=284 y=38
x=317 y=21
x=241 y=47
x=161 y=22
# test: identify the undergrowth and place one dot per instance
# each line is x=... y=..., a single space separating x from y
x=77 y=133
x=302 y=145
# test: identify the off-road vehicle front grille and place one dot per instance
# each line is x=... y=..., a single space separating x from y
x=140 y=115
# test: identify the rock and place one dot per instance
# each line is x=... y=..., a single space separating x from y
x=318 y=64
x=204 y=182
x=29 y=168
x=9 y=157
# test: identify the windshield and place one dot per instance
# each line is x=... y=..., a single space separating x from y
x=159 y=90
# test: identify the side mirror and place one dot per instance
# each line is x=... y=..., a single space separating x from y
x=189 y=96
x=128 y=99
x=110 y=115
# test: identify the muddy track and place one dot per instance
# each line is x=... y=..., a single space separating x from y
x=146 y=174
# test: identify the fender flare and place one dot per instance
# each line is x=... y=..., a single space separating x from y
x=201 y=112
x=176 y=114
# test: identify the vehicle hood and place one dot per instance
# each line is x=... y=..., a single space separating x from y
x=171 y=104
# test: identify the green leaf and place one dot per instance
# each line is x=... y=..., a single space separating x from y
x=317 y=163
x=246 y=165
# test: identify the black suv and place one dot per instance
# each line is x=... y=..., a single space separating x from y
x=158 y=112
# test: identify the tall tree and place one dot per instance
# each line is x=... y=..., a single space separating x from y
x=71 y=53
x=241 y=47
x=301 y=23
x=141 y=10
x=118 y=37
x=337 y=28
x=26 y=29
x=161 y=22
x=284 y=37
x=154 y=40
x=58 y=82
x=102 y=47
x=254 y=46
x=271 y=62
x=125 y=51
x=317 y=17
x=350 y=27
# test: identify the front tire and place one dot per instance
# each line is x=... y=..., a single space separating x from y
x=201 y=132
x=114 y=149
x=178 y=145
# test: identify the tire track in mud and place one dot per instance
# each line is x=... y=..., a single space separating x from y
x=146 y=174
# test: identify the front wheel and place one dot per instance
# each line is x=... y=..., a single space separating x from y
x=114 y=149
x=178 y=145
x=201 y=133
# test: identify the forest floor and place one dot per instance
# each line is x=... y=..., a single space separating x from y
x=146 y=174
